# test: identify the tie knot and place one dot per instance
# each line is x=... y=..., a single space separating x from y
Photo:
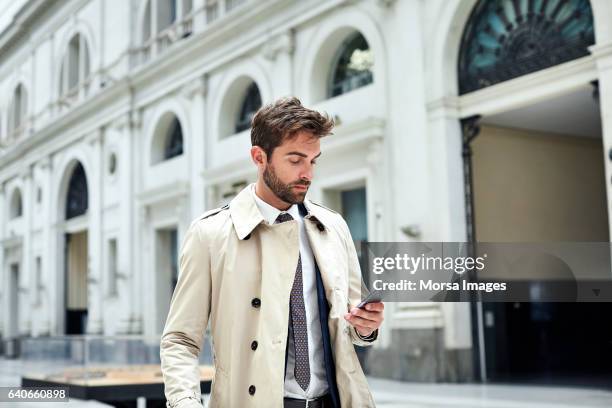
x=282 y=217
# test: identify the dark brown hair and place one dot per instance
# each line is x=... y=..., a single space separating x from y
x=280 y=120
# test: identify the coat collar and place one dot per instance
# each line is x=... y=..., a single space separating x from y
x=246 y=216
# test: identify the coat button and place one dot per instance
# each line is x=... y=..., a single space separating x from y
x=254 y=345
x=252 y=390
x=256 y=302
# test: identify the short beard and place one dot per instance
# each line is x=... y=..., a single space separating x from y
x=282 y=190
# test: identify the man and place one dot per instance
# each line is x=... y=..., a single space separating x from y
x=278 y=277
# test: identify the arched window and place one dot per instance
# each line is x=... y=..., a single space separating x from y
x=505 y=39
x=250 y=104
x=353 y=65
x=18 y=110
x=77 y=196
x=174 y=140
x=16 y=206
x=75 y=67
x=167 y=138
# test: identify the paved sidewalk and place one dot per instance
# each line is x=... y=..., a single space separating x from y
x=396 y=394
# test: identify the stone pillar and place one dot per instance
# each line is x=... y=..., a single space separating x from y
x=26 y=289
x=376 y=198
x=195 y=144
x=3 y=268
x=127 y=293
x=447 y=215
x=603 y=55
x=146 y=268
x=139 y=273
x=47 y=251
x=94 y=236
x=55 y=248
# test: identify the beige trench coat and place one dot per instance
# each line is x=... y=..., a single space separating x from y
x=236 y=270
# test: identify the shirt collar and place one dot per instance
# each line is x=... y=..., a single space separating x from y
x=246 y=215
x=269 y=212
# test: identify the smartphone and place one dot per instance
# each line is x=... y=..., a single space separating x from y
x=374 y=296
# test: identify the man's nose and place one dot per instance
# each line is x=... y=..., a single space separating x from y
x=306 y=174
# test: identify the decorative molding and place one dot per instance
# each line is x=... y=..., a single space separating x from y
x=122 y=121
x=529 y=88
x=198 y=86
x=136 y=117
x=143 y=214
x=96 y=137
x=445 y=106
x=603 y=55
x=26 y=173
x=45 y=163
x=163 y=193
x=373 y=158
x=281 y=43
x=601 y=50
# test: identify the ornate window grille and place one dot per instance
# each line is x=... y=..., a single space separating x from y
x=505 y=39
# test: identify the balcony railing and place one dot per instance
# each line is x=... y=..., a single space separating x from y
x=196 y=19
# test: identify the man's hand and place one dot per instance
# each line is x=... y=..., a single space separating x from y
x=368 y=320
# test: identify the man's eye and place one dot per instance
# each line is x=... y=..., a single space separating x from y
x=314 y=162
x=294 y=161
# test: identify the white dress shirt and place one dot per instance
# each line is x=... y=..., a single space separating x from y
x=318 y=382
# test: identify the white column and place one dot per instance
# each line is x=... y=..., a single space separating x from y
x=279 y=51
x=447 y=221
x=26 y=266
x=55 y=249
x=195 y=144
x=126 y=288
x=603 y=55
x=447 y=215
x=146 y=271
x=94 y=236
x=3 y=269
x=47 y=251
x=138 y=223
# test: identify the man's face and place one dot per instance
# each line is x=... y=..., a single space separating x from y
x=289 y=170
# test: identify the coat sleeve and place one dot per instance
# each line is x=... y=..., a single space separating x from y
x=355 y=285
x=186 y=323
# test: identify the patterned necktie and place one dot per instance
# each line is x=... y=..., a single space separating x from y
x=298 y=321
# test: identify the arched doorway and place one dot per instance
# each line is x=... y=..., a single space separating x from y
x=534 y=172
x=76 y=251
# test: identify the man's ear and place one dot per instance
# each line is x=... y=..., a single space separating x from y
x=259 y=157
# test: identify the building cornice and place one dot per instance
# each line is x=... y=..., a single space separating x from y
x=28 y=13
